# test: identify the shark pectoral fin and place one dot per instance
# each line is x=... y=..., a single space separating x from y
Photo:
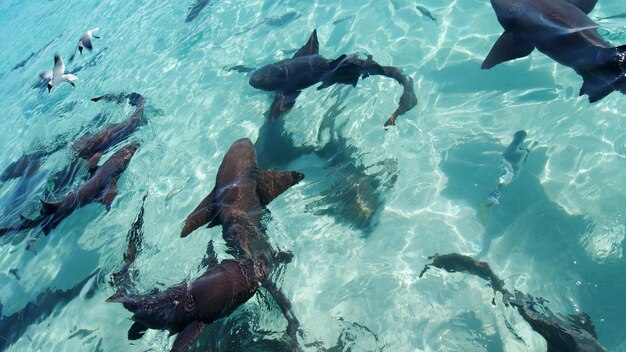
x=270 y=184
x=595 y=87
x=93 y=163
x=136 y=331
x=48 y=208
x=509 y=46
x=283 y=102
x=283 y=257
x=209 y=261
x=312 y=46
x=109 y=193
x=585 y=6
x=186 y=337
x=204 y=213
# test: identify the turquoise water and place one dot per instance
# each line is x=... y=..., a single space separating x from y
x=558 y=232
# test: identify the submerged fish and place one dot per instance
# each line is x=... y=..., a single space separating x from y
x=424 y=11
x=195 y=9
x=511 y=163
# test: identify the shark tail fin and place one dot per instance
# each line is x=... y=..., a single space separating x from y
x=270 y=184
x=603 y=80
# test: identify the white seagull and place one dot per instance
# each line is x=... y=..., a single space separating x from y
x=85 y=42
x=59 y=75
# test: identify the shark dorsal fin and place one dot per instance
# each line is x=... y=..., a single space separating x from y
x=186 y=337
x=312 y=47
x=48 y=208
x=204 y=213
x=585 y=6
x=93 y=163
x=270 y=184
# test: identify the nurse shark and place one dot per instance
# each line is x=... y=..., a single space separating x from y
x=562 y=30
x=237 y=202
x=287 y=78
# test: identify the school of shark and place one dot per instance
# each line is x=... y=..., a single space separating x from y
x=255 y=172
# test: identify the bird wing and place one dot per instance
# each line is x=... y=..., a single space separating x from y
x=46 y=75
x=59 y=67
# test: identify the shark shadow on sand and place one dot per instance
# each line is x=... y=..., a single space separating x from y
x=352 y=192
x=472 y=166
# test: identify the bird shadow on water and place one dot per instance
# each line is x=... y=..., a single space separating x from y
x=472 y=169
x=351 y=190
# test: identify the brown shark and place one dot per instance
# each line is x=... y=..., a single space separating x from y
x=237 y=202
x=94 y=144
x=187 y=307
x=101 y=187
x=86 y=146
x=575 y=335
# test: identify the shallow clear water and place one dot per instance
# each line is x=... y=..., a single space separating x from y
x=558 y=232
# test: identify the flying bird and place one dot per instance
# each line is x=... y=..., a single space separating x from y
x=85 y=42
x=59 y=75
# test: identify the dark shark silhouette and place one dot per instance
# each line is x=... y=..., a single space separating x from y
x=237 y=202
x=353 y=190
x=306 y=68
x=575 y=335
x=26 y=166
x=94 y=144
x=86 y=146
x=13 y=327
x=195 y=9
x=100 y=187
x=185 y=308
x=562 y=30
